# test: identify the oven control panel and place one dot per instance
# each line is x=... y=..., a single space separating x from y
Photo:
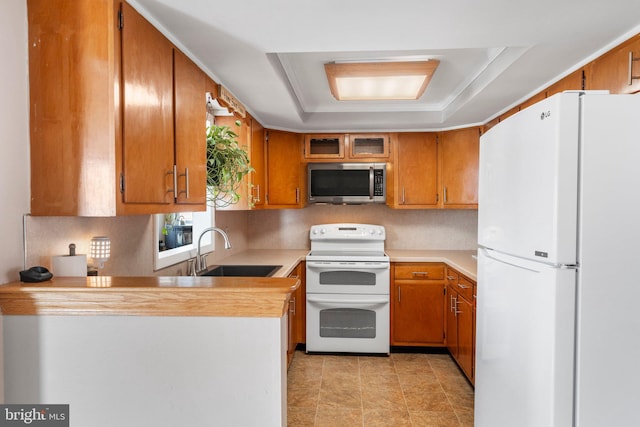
x=347 y=232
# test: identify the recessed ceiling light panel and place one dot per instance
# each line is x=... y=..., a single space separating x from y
x=360 y=81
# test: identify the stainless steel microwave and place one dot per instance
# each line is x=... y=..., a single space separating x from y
x=347 y=183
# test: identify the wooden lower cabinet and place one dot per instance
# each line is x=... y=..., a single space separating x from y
x=461 y=321
x=417 y=306
x=297 y=313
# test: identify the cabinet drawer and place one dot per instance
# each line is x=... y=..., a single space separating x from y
x=419 y=271
x=465 y=288
x=452 y=277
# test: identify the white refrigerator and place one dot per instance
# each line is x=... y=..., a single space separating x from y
x=558 y=301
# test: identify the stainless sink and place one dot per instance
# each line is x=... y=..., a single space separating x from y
x=242 y=270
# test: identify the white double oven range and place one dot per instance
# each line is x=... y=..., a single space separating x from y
x=347 y=289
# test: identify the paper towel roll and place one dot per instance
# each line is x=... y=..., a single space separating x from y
x=69 y=265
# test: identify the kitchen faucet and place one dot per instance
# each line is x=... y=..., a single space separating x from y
x=200 y=264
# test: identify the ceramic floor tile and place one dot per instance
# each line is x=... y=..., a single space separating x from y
x=383 y=397
x=460 y=400
x=465 y=416
x=404 y=389
x=384 y=380
x=340 y=379
x=340 y=397
x=302 y=397
x=434 y=419
x=337 y=417
x=427 y=401
x=301 y=417
x=386 y=417
x=404 y=367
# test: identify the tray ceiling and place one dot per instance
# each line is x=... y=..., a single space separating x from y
x=493 y=54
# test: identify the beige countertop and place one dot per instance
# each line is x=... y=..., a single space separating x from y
x=190 y=296
x=150 y=296
x=463 y=261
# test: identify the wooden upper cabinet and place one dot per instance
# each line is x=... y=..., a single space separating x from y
x=415 y=171
x=243 y=132
x=73 y=118
x=368 y=146
x=257 y=159
x=529 y=102
x=347 y=147
x=104 y=139
x=190 y=130
x=504 y=116
x=324 y=146
x=284 y=170
x=574 y=81
x=612 y=70
x=459 y=156
x=147 y=99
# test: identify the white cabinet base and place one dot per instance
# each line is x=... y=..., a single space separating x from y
x=150 y=371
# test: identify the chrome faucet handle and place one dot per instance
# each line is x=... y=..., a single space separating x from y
x=203 y=262
x=191 y=267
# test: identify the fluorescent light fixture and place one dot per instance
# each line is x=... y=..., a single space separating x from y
x=357 y=81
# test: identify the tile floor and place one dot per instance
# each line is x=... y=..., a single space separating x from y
x=404 y=389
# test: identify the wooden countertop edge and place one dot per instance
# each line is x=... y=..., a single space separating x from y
x=221 y=299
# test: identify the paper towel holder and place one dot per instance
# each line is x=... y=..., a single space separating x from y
x=100 y=250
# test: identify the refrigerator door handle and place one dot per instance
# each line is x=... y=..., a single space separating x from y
x=534 y=264
x=490 y=253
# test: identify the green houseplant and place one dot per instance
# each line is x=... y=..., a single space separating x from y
x=227 y=164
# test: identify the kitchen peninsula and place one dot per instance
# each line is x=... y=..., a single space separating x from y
x=163 y=351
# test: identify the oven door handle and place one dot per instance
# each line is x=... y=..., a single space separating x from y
x=352 y=266
x=334 y=302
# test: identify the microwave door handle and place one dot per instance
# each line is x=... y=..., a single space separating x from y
x=371 y=183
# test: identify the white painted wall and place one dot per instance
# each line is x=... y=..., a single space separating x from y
x=14 y=135
x=14 y=142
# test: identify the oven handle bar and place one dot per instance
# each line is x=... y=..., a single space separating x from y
x=348 y=265
x=334 y=302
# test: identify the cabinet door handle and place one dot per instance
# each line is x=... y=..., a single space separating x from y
x=420 y=273
x=174 y=190
x=456 y=307
x=292 y=305
x=461 y=286
x=297 y=196
x=630 y=74
x=186 y=181
x=444 y=195
x=403 y=200
x=451 y=277
x=256 y=189
x=398 y=293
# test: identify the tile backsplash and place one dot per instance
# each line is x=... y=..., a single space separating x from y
x=133 y=246
x=406 y=229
